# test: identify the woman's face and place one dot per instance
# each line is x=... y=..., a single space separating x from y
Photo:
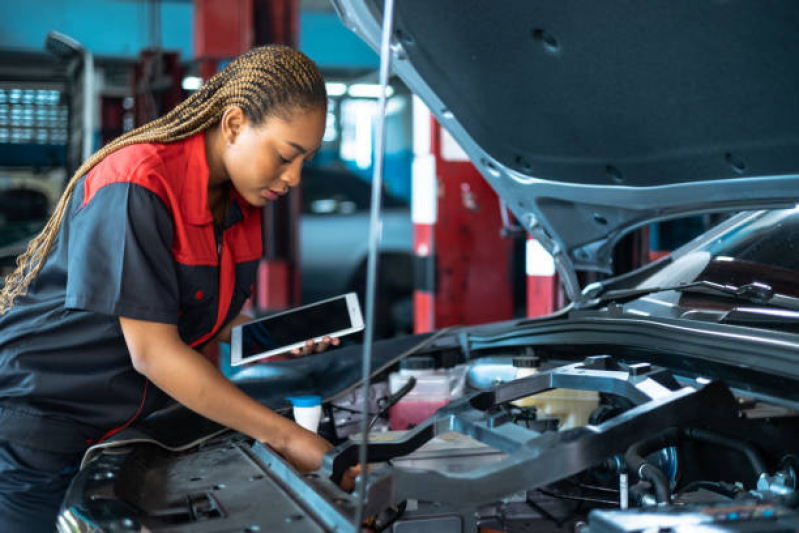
x=264 y=161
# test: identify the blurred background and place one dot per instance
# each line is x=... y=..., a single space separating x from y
x=75 y=74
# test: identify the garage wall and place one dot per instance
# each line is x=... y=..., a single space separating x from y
x=106 y=28
x=118 y=28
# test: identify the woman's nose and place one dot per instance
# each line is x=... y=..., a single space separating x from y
x=292 y=174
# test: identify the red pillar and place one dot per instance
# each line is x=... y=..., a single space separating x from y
x=277 y=21
x=225 y=29
x=471 y=262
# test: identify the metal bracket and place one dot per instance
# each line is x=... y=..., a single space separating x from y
x=532 y=459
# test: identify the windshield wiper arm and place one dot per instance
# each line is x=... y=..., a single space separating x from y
x=756 y=292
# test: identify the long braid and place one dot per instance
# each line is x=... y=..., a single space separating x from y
x=267 y=81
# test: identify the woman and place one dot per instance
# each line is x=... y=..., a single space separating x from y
x=151 y=253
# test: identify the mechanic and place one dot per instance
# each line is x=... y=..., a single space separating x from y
x=150 y=254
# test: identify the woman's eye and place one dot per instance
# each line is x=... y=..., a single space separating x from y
x=281 y=158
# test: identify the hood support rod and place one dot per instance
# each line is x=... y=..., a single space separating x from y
x=371 y=265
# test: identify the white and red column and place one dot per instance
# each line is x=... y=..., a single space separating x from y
x=541 y=282
x=424 y=211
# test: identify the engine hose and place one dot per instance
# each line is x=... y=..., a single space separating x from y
x=634 y=457
x=703 y=435
x=651 y=473
x=648 y=472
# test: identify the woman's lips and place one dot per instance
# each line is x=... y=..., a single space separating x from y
x=269 y=195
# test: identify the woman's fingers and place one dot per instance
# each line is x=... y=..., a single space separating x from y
x=348 y=479
x=304 y=350
x=315 y=347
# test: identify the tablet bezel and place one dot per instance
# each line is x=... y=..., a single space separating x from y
x=355 y=319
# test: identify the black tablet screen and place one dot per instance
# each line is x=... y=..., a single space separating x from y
x=294 y=326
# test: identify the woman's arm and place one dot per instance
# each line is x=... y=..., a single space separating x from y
x=158 y=353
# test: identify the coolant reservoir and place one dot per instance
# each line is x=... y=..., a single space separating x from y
x=432 y=390
x=572 y=407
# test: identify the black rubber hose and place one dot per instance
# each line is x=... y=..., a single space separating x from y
x=634 y=457
x=637 y=452
x=703 y=435
x=660 y=483
x=393 y=400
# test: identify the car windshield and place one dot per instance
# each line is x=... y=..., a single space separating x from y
x=762 y=247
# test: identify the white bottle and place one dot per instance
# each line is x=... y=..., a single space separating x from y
x=307 y=411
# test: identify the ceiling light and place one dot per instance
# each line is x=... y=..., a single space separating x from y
x=192 y=83
x=335 y=88
x=368 y=90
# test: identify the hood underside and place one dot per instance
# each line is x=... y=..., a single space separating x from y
x=593 y=118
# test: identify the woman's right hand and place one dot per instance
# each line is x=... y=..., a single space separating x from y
x=304 y=449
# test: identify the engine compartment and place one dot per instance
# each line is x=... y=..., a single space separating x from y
x=655 y=451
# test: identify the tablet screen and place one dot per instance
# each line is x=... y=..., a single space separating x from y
x=295 y=326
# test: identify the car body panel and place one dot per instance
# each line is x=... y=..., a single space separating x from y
x=593 y=120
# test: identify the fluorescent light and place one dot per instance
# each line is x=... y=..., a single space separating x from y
x=335 y=88
x=192 y=83
x=368 y=90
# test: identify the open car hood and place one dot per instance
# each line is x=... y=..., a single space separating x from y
x=591 y=119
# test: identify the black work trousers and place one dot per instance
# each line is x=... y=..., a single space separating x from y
x=32 y=485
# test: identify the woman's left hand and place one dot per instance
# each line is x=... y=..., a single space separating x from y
x=315 y=347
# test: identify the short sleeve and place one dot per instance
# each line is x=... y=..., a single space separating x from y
x=120 y=256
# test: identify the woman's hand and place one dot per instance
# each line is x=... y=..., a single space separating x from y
x=304 y=449
x=348 y=478
x=315 y=347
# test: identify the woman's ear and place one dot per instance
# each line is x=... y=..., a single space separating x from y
x=233 y=121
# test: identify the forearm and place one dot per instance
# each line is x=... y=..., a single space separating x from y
x=190 y=379
x=193 y=381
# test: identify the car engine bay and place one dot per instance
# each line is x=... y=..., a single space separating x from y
x=528 y=442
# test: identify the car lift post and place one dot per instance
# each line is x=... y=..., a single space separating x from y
x=463 y=265
x=224 y=30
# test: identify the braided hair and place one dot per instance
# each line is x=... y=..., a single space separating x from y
x=267 y=81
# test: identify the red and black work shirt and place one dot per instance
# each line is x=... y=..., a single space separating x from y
x=138 y=241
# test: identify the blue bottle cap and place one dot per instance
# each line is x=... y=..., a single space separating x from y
x=305 y=401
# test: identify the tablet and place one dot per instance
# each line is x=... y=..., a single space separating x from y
x=285 y=331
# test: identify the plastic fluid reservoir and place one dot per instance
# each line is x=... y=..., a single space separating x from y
x=572 y=407
x=430 y=392
x=307 y=411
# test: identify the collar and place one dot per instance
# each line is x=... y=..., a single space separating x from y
x=194 y=200
x=234 y=213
